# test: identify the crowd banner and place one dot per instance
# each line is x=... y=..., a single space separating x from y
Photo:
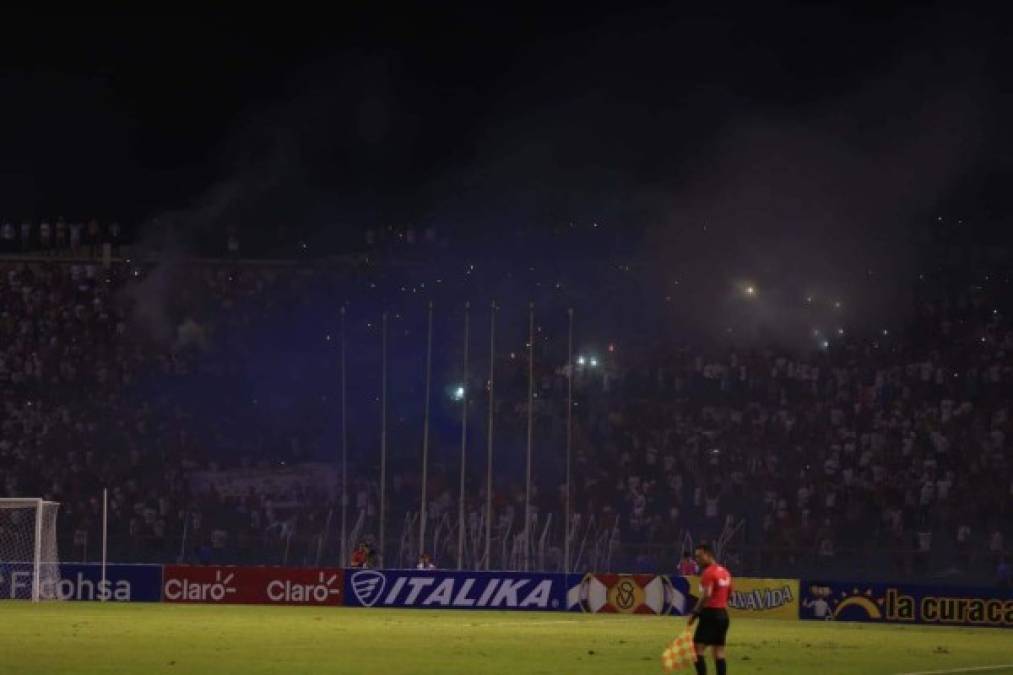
x=459 y=590
x=83 y=581
x=628 y=594
x=906 y=603
x=254 y=585
x=759 y=598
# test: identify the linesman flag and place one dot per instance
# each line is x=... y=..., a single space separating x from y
x=680 y=654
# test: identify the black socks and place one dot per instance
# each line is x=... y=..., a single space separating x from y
x=701 y=666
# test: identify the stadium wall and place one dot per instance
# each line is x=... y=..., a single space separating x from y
x=674 y=595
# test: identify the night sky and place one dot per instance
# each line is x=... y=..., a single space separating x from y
x=482 y=119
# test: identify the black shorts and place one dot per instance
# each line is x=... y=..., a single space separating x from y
x=711 y=627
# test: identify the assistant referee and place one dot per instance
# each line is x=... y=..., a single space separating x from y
x=712 y=610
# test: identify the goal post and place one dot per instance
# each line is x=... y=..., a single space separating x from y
x=29 y=561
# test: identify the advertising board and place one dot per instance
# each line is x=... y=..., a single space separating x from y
x=253 y=585
x=83 y=581
x=629 y=594
x=458 y=590
x=758 y=598
x=906 y=603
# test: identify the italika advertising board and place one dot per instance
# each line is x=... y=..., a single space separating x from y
x=458 y=590
x=253 y=585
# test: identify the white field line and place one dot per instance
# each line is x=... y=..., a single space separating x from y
x=497 y=624
x=975 y=669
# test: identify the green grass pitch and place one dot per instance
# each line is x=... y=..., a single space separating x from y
x=92 y=638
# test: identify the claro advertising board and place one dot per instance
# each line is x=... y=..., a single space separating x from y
x=253 y=585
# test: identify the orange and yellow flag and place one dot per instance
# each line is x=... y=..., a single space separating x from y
x=680 y=654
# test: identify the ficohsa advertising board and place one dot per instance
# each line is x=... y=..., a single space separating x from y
x=83 y=581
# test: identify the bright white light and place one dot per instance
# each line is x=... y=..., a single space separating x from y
x=825 y=344
x=594 y=362
x=581 y=361
x=840 y=331
x=458 y=393
x=750 y=290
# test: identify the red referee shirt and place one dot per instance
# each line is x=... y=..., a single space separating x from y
x=717 y=581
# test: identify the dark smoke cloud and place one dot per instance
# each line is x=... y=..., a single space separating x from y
x=262 y=159
x=820 y=204
x=709 y=184
x=149 y=298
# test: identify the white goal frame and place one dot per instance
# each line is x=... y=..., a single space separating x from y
x=38 y=505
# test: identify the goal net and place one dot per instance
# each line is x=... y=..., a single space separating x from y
x=29 y=564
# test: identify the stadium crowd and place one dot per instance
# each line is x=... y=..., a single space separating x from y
x=892 y=445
